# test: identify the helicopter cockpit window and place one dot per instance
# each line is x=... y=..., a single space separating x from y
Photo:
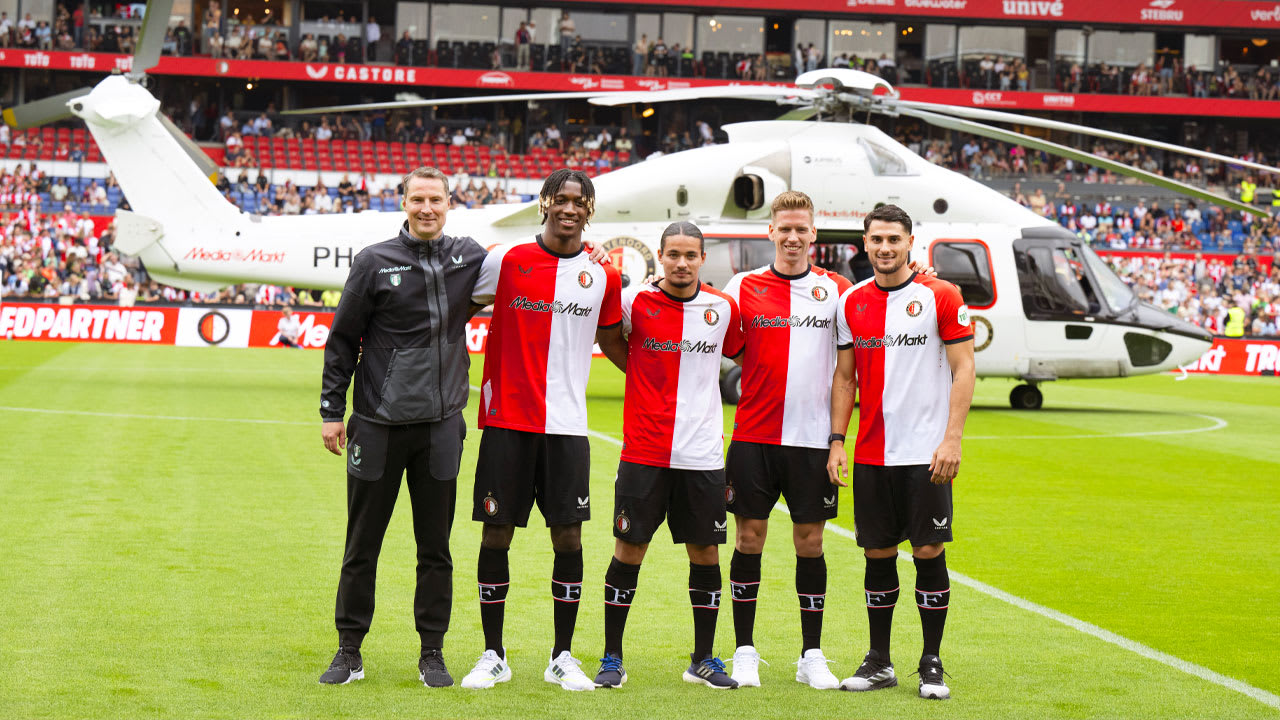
x=883 y=160
x=1055 y=284
x=1117 y=294
x=967 y=265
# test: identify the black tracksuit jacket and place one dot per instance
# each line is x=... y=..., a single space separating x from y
x=400 y=328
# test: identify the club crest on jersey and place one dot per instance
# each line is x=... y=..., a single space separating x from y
x=395 y=280
x=819 y=293
x=914 y=308
x=355 y=454
x=711 y=316
x=623 y=523
x=490 y=506
x=585 y=279
x=729 y=494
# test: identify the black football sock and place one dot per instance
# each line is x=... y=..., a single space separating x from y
x=811 y=589
x=744 y=582
x=881 y=583
x=566 y=589
x=495 y=579
x=933 y=594
x=620 y=583
x=704 y=595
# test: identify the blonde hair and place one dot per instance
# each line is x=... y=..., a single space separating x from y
x=791 y=200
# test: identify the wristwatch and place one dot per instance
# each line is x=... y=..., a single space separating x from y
x=834 y=437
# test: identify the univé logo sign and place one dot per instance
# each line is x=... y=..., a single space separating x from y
x=1033 y=8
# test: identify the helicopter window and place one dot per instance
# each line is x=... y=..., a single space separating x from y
x=750 y=253
x=1054 y=283
x=883 y=160
x=1117 y=294
x=968 y=266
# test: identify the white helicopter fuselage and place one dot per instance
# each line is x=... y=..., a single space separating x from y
x=189 y=236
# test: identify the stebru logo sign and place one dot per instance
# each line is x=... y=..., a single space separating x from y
x=795 y=321
x=495 y=79
x=1160 y=11
x=702 y=346
x=555 y=306
x=888 y=341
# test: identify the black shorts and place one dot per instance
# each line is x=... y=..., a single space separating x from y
x=691 y=500
x=896 y=503
x=758 y=474
x=516 y=469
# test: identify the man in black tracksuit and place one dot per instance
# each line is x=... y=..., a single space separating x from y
x=400 y=327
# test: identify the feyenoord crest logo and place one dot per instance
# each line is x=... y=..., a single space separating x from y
x=355 y=454
x=728 y=494
x=585 y=279
x=395 y=280
x=490 y=506
x=711 y=316
x=819 y=293
x=914 y=307
x=623 y=523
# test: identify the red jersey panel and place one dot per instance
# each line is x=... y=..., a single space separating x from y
x=546 y=308
x=672 y=415
x=904 y=380
x=789 y=322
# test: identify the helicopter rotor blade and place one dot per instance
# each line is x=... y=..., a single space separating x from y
x=402 y=104
x=723 y=92
x=1010 y=136
x=998 y=116
x=43 y=111
x=155 y=22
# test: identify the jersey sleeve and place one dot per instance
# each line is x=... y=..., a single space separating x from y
x=842 y=283
x=844 y=335
x=734 y=287
x=953 y=314
x=611 y=305
x=486 y=287
x=625 y=304
x=735 y=340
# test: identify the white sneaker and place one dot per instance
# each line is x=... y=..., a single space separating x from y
x=489 y=671
x=746 y=666
x=565 y=670
x=812 y=670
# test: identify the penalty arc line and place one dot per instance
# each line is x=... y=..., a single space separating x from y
x=1088 y=628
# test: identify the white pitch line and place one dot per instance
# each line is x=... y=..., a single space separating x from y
x=134 y=416
x=1088 y=628
x=1218 y=424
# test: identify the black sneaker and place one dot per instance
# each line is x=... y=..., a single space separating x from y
x=431 y=669
x=933 y=686
x=611 y=674
x=346 y=666
x=873 y=674
x=709 y=672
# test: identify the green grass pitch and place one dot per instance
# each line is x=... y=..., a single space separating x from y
x=165 y=558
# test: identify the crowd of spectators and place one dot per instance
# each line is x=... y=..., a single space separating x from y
x=1201 y=290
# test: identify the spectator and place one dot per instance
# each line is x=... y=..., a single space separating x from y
x=372 y=36
x=567 y=31
x=523 y=41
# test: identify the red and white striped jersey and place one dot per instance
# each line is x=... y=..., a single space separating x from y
x=898 y=333
x=789 y=323
x=672 y=415
x=546 y=308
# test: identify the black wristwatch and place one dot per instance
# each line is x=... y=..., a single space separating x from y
x=834 y=437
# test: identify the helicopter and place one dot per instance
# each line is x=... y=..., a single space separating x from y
x=1044 y=306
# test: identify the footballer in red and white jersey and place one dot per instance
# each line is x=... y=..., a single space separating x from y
x=672 y=415
x=546 y=309
x=901 y=332
x=789 y=322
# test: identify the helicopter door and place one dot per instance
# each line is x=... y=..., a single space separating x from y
x=1059 y=298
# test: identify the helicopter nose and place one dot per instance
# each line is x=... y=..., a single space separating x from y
x=1173 y=343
